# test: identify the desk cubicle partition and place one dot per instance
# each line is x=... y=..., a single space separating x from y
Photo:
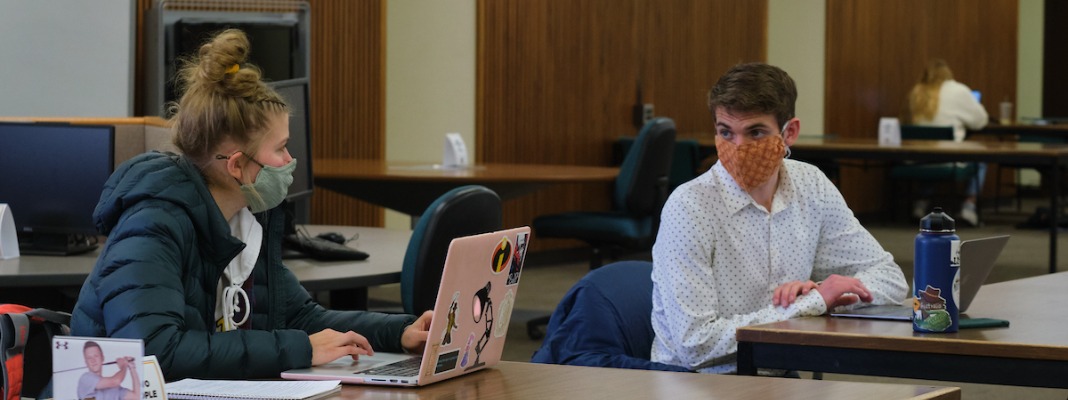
x=133 y=135
x=130 y=136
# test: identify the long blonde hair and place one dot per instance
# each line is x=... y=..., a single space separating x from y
x=223 y=98
x=923 y=99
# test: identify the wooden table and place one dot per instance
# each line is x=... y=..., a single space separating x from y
x=1032 y=351
x=1049 y=157
x=385 y=246
x=1045 y=133
x=410 y=188
x=517 y=380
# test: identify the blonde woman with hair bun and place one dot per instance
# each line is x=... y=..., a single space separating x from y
x=938 y=100
x=193 y=261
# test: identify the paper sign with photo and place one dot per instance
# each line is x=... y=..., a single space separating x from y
x=889 y=132
x=154 y=384
x=455 y=155
x=100 y=368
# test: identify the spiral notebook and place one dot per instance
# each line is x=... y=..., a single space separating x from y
x=198 y=389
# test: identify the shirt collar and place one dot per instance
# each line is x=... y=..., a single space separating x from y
x=735 y=199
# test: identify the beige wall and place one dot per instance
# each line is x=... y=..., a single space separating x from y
x=430 y=80
x=76 y=58
x=1029 y=59
x=795 y=44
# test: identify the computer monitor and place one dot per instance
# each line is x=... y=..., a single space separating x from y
x=276 y=46
x=51 y=175
x=295 y=93
x=298 y=201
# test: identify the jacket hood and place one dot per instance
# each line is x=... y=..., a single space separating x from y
x=173 y=180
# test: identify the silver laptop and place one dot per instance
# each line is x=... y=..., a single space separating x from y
x=977 y=257
x=471 y=315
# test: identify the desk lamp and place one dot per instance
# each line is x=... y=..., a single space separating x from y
x=482 y=309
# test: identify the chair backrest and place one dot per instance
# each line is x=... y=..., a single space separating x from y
x=924 y=132
x=684 y=162
x=463 y=211
x=604 y=321
x=641 y=186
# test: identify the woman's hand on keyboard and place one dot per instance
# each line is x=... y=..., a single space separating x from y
x=329 y=345
x=415 y=335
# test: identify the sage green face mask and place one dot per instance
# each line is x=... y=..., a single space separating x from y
x=270 y=187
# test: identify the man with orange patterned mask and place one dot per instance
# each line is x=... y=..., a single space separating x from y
x=759 y=237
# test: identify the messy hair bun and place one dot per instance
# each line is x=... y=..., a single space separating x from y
x=223 y=97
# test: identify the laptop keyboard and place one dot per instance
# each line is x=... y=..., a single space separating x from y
x=409 y=367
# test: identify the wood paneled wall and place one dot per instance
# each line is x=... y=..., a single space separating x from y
x=557 y=80
x=876 y=51
x=347 y=95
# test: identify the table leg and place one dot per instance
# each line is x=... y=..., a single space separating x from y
x=745 y=359
x=1055 y=214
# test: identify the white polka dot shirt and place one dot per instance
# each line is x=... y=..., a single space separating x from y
x=719 y=256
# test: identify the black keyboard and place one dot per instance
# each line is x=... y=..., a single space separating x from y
x=409 y=367
x=322 y=249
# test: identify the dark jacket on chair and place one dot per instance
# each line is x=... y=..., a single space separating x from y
x=603 y=321
x=156 y=279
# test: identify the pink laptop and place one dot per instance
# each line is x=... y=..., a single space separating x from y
x=471 y=316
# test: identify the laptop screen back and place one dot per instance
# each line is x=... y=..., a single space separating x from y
x=977 y=258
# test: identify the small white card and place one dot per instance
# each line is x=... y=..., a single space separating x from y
x=155 y=386
x=889 y=132
x=102 y=368
x=9 y=239
x=455 y=151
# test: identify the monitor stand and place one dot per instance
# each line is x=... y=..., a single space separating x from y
x=289 y=251
x=55 y=244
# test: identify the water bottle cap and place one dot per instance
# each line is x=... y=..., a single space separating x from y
x=937 y=221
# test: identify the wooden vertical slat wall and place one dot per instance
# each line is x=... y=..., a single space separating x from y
x=876 y=51
x=557 y=80
x=347 y=95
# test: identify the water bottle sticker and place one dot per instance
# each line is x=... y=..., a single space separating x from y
x=930 y=310
x=954 y=253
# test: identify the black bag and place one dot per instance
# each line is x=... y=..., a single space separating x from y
x=25 y=349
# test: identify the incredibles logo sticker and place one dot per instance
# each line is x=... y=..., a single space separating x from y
x=502 y=256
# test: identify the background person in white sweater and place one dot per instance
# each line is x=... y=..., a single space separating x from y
x=938 y=100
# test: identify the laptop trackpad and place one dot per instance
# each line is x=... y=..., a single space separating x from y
x=346 y=364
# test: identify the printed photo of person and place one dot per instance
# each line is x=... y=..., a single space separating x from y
x=93 y=384
x=101 y=369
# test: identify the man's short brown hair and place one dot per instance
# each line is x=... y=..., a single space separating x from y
x=755 y=88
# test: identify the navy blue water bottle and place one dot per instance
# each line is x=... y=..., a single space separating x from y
x=936 y=275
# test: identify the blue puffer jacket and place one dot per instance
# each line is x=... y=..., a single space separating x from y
x=156 y=280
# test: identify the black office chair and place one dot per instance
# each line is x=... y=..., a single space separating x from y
x=463 y=211
x=685 y=161
x=640 y=191
x=930 y=172
x=603 y=321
